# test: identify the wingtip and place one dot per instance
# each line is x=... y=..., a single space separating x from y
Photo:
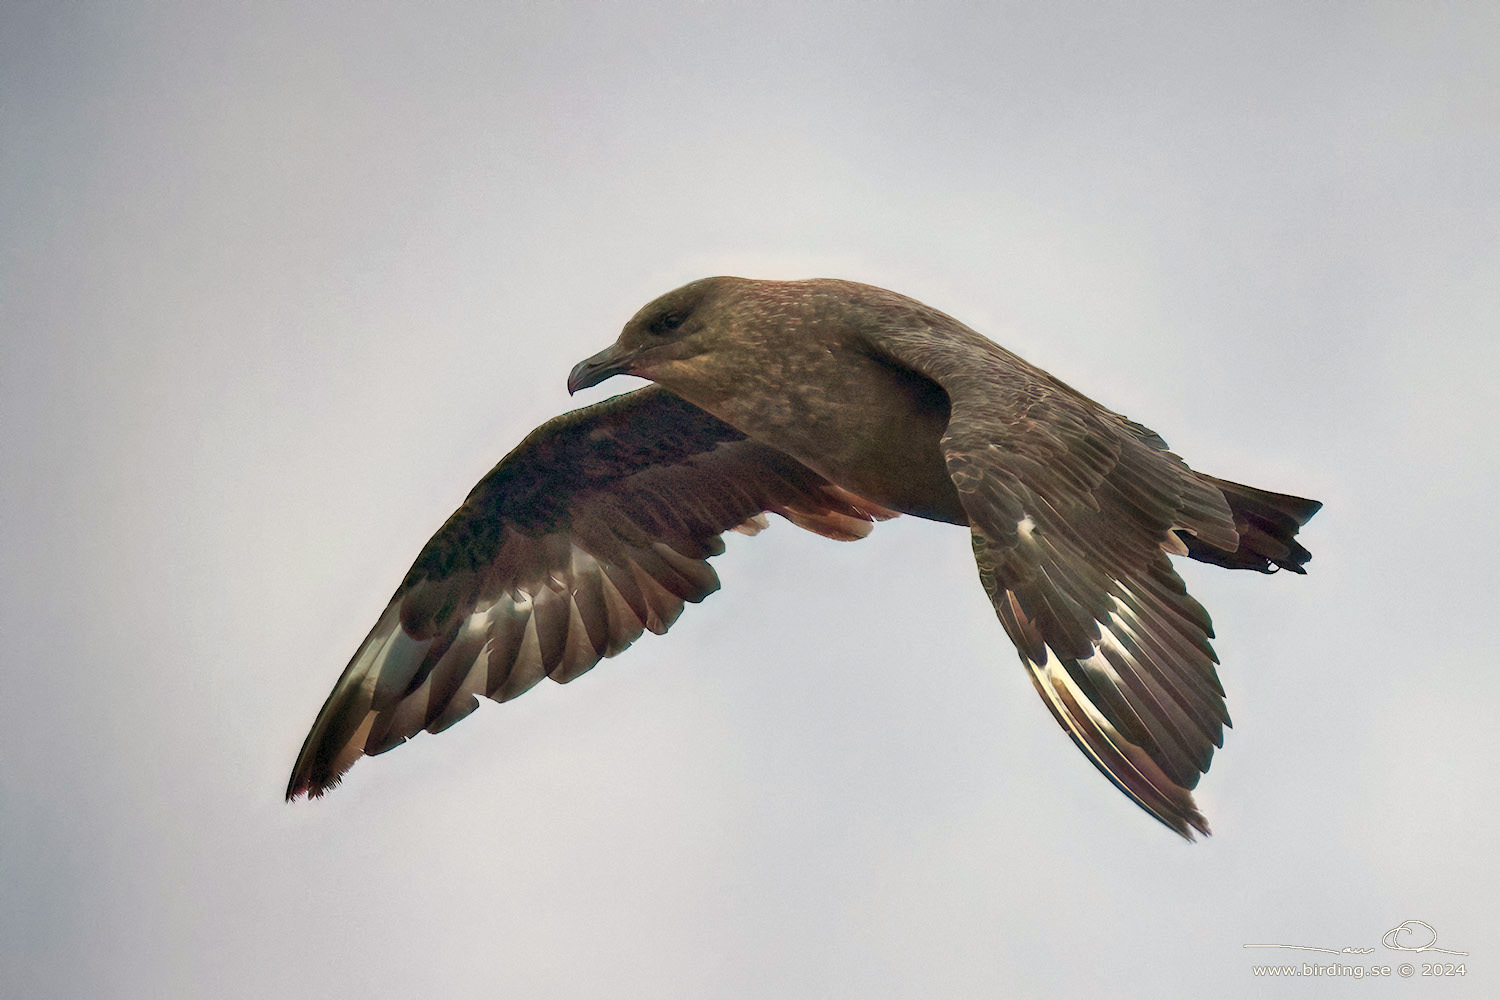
x=1127 y=766
x=1189 y=825
x=302 y=783
x=300 y=786
x=1179 y=814
x=312 y=778
x=305 y=787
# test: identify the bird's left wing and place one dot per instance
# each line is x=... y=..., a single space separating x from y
x=595 y=528
x=1073 y=510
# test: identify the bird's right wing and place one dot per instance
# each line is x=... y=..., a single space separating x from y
x=595 y=528
x=1073 y=510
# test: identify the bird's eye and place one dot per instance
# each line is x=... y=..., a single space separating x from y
x=666 y=323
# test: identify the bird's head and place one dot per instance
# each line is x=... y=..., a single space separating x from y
x=666 y=332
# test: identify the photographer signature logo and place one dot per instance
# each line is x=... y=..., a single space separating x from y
x=1392 y=940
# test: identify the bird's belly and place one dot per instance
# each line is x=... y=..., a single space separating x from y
x=902 y=471
x=878 y=435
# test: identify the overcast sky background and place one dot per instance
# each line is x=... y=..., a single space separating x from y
x=280 y=282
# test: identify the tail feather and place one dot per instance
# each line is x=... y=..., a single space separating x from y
x=1267 y=523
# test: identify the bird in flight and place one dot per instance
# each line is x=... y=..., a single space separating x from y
x=835 y=405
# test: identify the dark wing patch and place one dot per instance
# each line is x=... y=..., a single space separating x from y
x=1073 y=511
x=596 y=528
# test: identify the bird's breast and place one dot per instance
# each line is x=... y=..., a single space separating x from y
x=868 y=426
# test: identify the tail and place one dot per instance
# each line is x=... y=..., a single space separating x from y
x=1267 y=523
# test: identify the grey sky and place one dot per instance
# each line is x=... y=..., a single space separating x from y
x=280 y=283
